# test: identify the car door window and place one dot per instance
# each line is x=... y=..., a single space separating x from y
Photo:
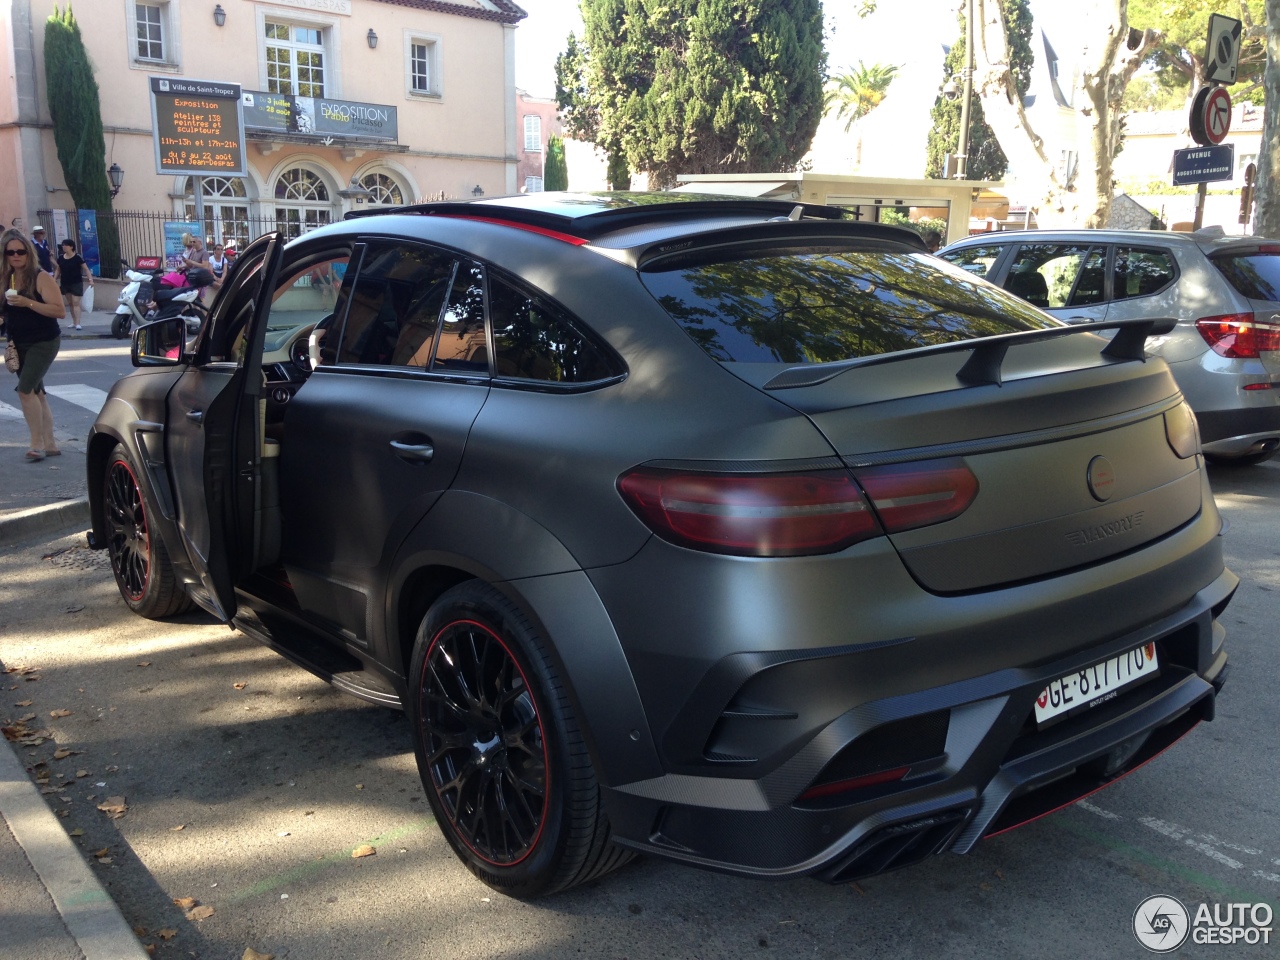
x=1045 y=274
x=534 y=340
x=396 y=302
x=977 y=260
x=1140 y=273
x=1091 y=284
x=461 y=344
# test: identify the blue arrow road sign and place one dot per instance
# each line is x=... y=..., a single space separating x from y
x=1203 y=164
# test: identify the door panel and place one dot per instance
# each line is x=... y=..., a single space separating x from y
x=371 y=443
x=212 y=433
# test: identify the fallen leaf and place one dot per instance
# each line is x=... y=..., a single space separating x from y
x=103 y=852
x=73 y=607
x=359 y=786
x=252 y=954
x=59 y=713
x=82 y=773
x=364 y=850
x=64 y=813
x=999 y=875
x=16 y=732
x=200 y=913
x=181 y=826
x=186 y=903
x=144 y=663
x=105 y=861
x=24 y=719
x=858 y=890
x=984 y=886
x=168 y=933
x=140 y=931
x=31 y=678
x=24 y=703
x=77 y=832
x=150 y=948
x=115 y=806
x=62 y=753
x=239 y=686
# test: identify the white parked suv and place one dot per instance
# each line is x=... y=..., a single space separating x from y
x=1224 y=292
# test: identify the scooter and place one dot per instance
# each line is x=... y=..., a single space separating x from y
x=171 y=298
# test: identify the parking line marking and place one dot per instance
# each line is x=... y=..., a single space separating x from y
x=328 y=860
x=81 y=394
x=9 y=413
x=1098 y=811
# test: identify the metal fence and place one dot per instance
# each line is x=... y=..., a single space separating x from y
x=129 y=234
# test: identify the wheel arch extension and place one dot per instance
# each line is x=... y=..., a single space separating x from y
x=468 y=536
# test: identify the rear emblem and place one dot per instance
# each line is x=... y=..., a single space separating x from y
x=1101 y=478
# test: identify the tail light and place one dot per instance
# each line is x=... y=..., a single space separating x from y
x=1238 y=335
x=795 y=514
x=761 y=515
x=910 y=495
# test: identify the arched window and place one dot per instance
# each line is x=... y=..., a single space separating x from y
x=302 y=202
x=226 y=209
x=384 y=189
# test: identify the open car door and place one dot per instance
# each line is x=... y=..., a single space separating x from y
x=213 y=432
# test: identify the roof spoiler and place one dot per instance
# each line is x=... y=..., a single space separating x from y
x=987 y=357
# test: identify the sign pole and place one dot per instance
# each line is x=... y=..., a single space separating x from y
x=1198 y=221
x=197 y=187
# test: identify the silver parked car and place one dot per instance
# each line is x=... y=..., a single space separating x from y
x=1224 y=292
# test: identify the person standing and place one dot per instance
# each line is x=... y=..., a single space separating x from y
x=43 y=252
x=71 y=272
x=32 y=309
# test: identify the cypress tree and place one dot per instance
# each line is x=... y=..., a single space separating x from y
x=77 y=128
x=77 y=116
x=555 y=172
x=701 y=86
x=986 y=160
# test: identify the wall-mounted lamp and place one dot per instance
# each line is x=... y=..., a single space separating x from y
x=478 y=191
x=116 y=175
x=372 y=38
x=219 y=15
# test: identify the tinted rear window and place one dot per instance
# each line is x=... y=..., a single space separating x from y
x=817 y=305
x=1256 y=276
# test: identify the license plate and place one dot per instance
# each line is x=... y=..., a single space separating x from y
x=1096 y=684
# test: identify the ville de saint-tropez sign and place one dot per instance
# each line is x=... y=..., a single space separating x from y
x=318 y=117
x=341 y=7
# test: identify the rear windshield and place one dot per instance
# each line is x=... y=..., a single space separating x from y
x=814 y=305
x=1256 y=276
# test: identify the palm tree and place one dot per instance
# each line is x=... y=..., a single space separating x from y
x=857 y=93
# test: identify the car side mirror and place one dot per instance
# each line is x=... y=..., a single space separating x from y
x=160 y=343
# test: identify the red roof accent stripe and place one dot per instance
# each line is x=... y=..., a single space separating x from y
x=507 y=11
x=543 y=231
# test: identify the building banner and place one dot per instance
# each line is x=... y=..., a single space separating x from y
x=61 y=229
x=89 y=240
x=318 y=117
x=173 y=248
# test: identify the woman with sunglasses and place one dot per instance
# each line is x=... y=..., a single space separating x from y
x=32 y=308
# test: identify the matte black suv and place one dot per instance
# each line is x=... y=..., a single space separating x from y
x=733 y=532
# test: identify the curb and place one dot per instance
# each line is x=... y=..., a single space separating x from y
x=51 y=518
x=91 y=917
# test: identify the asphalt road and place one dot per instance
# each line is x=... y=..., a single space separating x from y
x=247 y=783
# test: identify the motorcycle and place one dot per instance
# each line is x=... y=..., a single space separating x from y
x=156 y=295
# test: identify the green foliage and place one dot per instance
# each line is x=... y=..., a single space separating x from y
x=77 y=118
x=1184 y=31
x=986 y=160
x=555 y=172
x=856 y=93
x=899 y=217
x=1151 y=91
x=696 y=86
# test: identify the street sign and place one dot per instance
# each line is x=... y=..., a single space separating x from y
x=1210 y=116
x=1203 y=164
x=197 y=127
x=1222 y=53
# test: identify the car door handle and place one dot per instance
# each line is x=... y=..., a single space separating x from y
x=413 y=452
x=195 y=416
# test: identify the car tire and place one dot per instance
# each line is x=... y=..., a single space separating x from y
x=1248 y=460
x=500 y=752
x=120 y=326
x=139 y=558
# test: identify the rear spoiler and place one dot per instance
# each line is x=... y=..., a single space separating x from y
x=984 y=363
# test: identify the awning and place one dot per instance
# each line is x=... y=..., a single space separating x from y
x=738 y=188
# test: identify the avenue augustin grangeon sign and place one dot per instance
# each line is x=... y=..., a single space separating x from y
x=197 y=127
x=319 y=117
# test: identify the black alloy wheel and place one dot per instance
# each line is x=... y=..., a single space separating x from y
x=139 y=559
x=503 y=762
x=485 y=746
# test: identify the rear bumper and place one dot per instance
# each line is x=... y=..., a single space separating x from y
x=995 y=771
x=1235 y=431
